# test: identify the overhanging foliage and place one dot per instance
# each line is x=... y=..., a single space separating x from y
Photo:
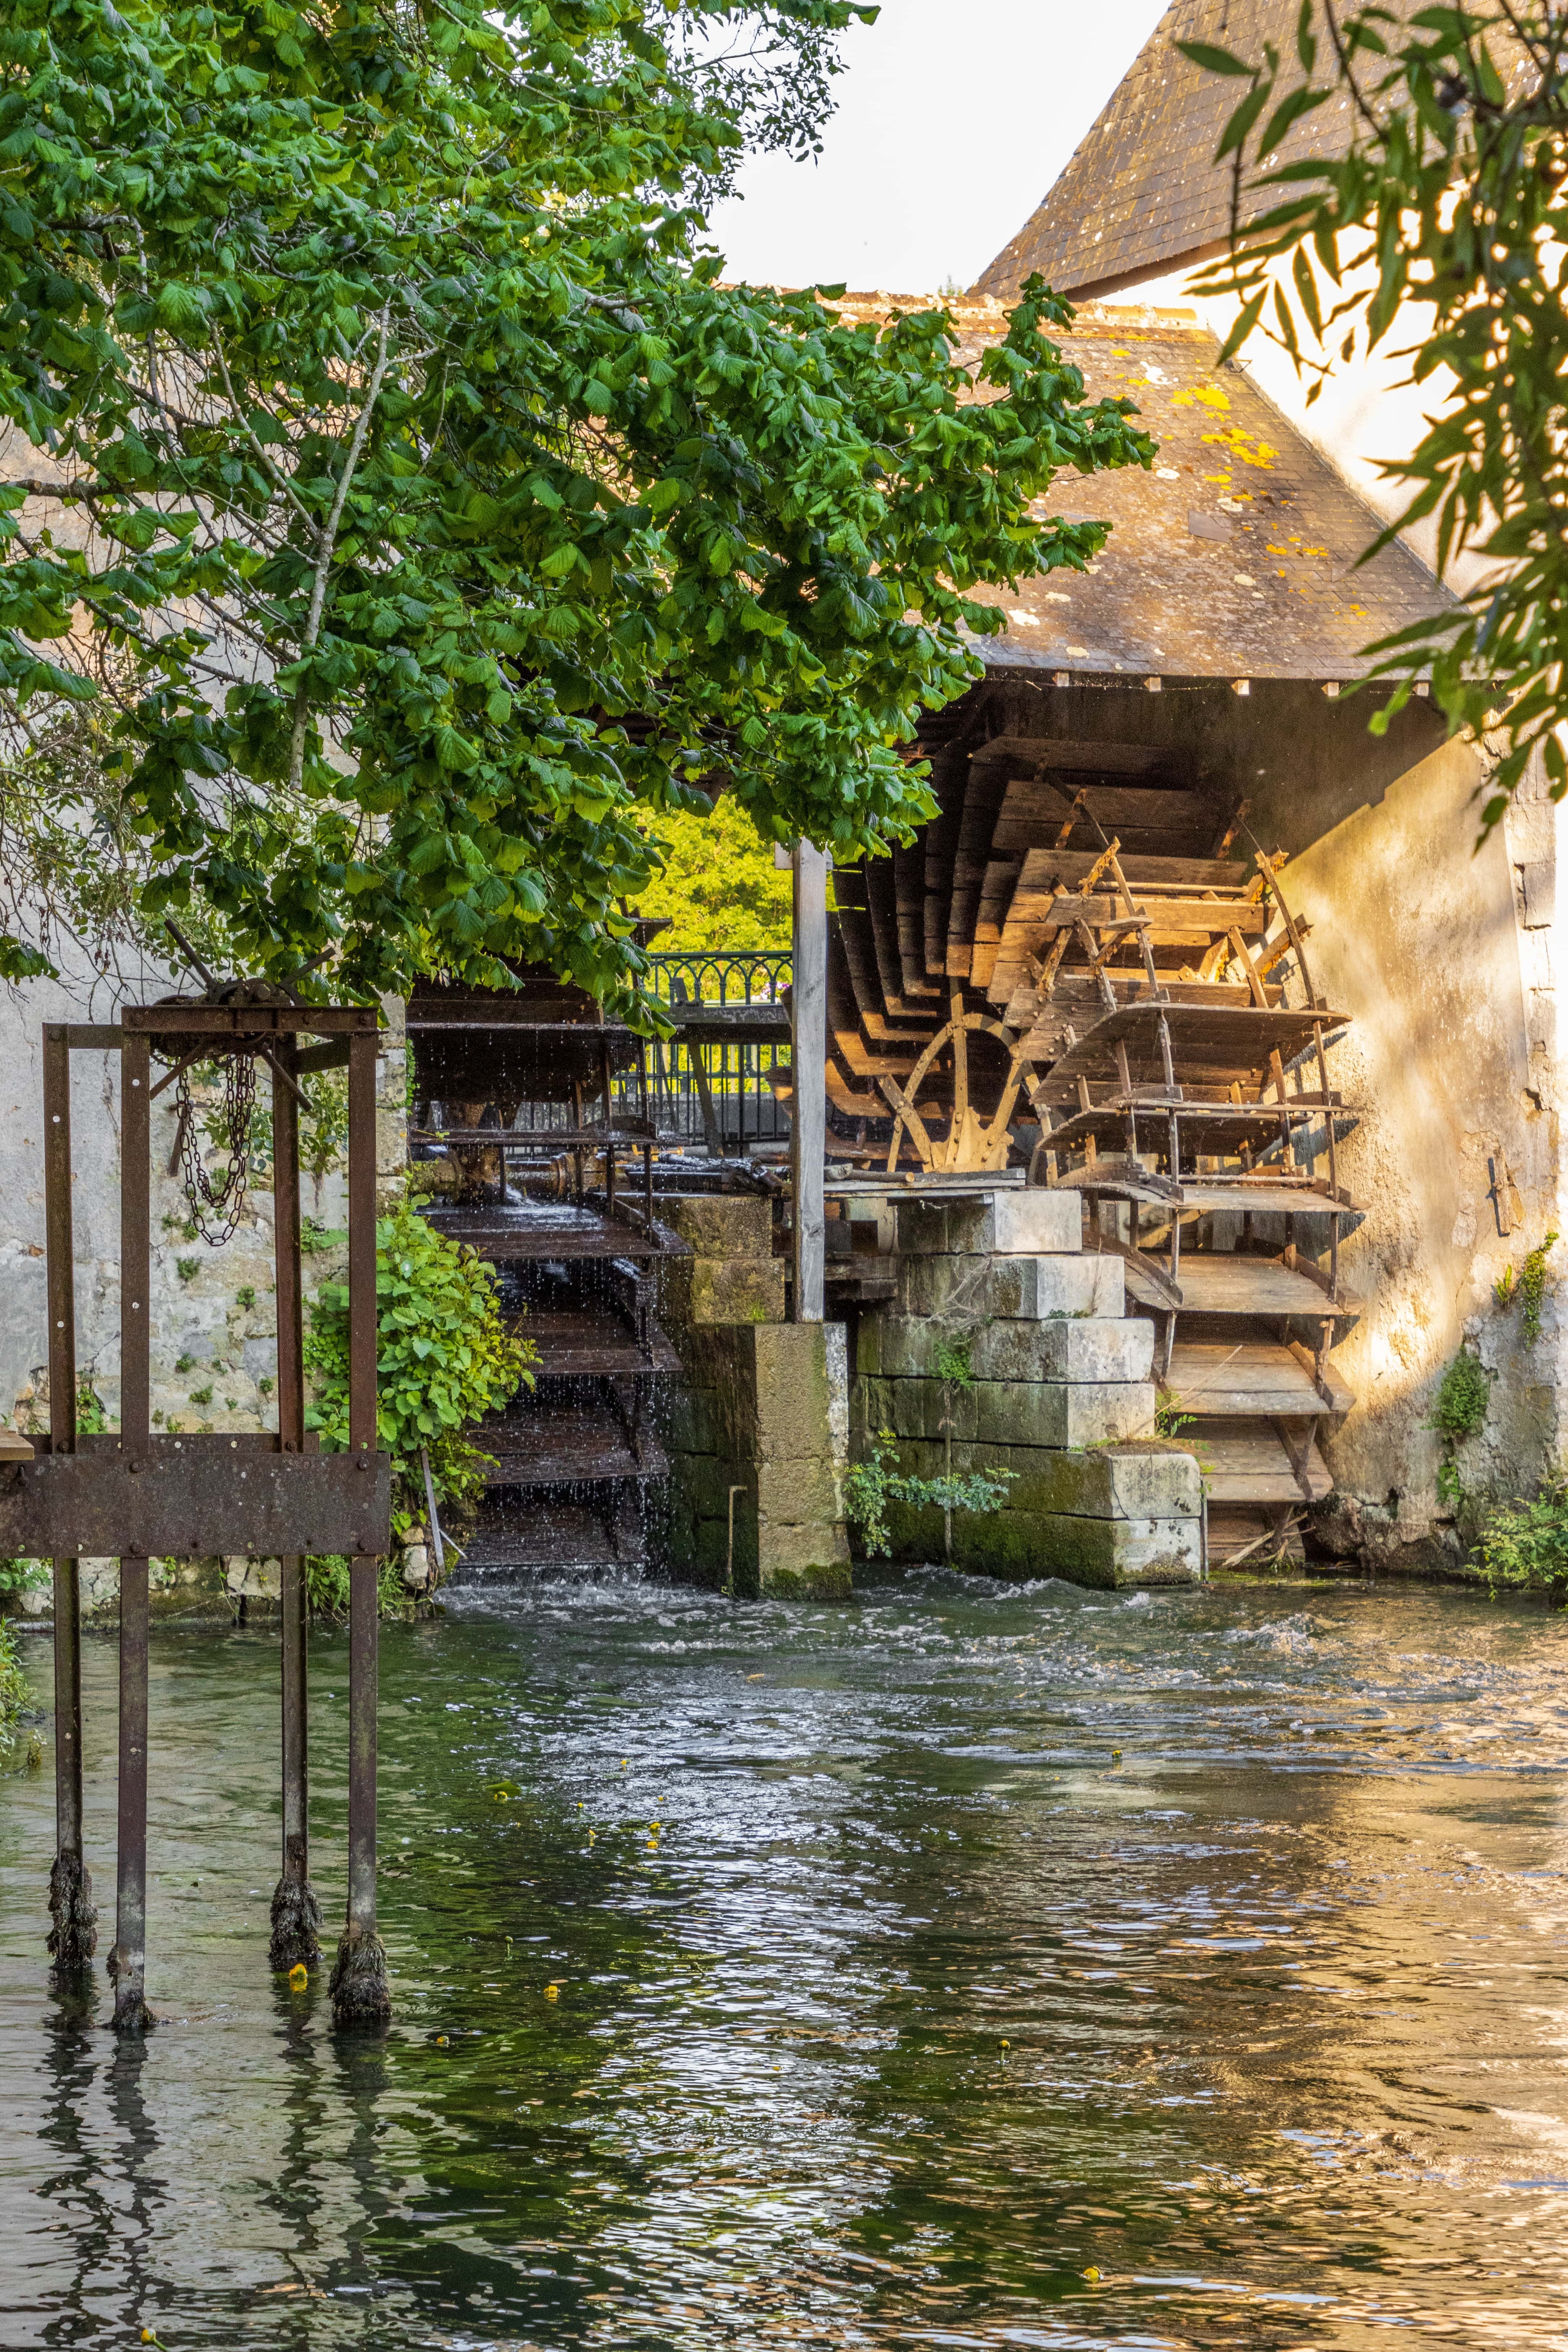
x=398 y=439
x=1450 y=193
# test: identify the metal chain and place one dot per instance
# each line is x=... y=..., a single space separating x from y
x=225 y=1201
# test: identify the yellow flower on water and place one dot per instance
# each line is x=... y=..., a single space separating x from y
x=299 y=1977
x=440 y=2041
x=1091 y=2274
x=553 y=1992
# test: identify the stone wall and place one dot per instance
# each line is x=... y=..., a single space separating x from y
x=1058 y=1397
x=755 y=1424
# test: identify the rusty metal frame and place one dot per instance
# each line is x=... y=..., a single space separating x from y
x=153 y=1491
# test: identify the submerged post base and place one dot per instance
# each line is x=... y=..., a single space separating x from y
x=360 y=1994
x=73 y=1938
x=296 y=1926
x=131 y=2014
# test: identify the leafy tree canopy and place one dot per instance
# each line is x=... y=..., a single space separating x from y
x=1452 y=191
x=422 y=500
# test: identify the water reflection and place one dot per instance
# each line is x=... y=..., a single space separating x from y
x=966 y=1968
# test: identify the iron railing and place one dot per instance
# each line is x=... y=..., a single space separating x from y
x=740 y=1097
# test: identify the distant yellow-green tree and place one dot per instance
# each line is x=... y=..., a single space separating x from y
x=719 y=886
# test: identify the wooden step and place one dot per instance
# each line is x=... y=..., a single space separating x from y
x=1241 y=1379
x=546 y=1446
x=545 y=1229
x=1271 y=1196
x=1224 y=1283
x=593 y=1339
x=1248 y=1462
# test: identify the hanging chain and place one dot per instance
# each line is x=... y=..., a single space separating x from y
x=225 y=1201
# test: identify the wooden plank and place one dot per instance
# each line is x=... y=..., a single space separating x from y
x=1034 y=809
x=1184 y=877
x=1046 y=754
x=1247 y=1462
x=995 y=897
x=909 y=899
x=1225 y=1283
x=984 y=793
x=1227 y=1380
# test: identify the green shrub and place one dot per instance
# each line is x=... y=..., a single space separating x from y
x=1523 y=1546
x=443 y=1359
x=14 y=1694
x=327 y=1587
x=1529 y=1286
x=1464 y=1397
x=22 y=1575
x=872 y=1485
x=1459 y=1411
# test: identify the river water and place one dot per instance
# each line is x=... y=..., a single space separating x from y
x=968 y=1967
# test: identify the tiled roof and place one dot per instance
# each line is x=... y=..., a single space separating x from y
x=1141 y=193
x=1235 y=558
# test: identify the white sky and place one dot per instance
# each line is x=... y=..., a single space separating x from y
x=953 y=119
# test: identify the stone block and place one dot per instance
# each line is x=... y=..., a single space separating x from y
x=721 y=1224
x=1077 y=1347
x=1062 y=1412
x=1025 y=1220
x=791 y=1494
x=1103 y=1553
x=973 y=1289
x=1011 y=1412
x=722 y=1290
x=1137 y=1479
x=252 y=1579
x=810 y=1545
x=792 y=1391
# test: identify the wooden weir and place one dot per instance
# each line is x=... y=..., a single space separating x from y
x=1076 y=970
x=141 y=1494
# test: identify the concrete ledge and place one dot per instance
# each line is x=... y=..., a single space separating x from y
x=972 y=1288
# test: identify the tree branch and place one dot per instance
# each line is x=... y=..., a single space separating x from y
x=326 y=539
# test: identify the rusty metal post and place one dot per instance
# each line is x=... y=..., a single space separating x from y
x=73 y=1936
x=295 y=1912
x=359 y=1986
x=127 y=1960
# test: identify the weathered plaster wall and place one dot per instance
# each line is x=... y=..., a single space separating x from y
x=1416 y=937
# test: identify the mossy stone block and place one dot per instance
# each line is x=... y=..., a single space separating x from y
x=721 y=1224
x=820 y=1581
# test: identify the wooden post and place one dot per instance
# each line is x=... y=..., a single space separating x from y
x=127 y=1961
x=359 y=1985
x=296 y=1913
x=73 y=1936
x=808 y=1079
